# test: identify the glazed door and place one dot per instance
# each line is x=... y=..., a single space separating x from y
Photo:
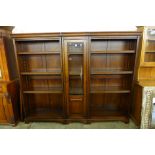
x=75 y=67
x=149 y=47
x=4 y=75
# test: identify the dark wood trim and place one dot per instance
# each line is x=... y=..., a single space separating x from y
x=118 y=34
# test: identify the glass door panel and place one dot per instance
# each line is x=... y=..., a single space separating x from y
x=150 y=45
x=75 y=67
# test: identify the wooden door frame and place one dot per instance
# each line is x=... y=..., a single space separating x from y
x=85 y=61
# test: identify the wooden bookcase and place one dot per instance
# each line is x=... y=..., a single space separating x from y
x=77 y=76
x=146 y=68
x=112 y=62
x=9 y=87
x=41 y=77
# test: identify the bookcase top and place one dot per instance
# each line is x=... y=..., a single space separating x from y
x=72 y=34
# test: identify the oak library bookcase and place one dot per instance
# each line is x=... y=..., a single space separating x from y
x=82 y=76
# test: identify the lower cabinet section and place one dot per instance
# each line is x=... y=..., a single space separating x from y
x=9 y=101
x=76 y=106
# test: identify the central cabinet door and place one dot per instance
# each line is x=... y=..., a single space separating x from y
x=75 y=68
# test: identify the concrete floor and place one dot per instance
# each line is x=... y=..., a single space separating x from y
x=97 y=125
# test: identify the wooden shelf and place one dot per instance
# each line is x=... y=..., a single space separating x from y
x=41 y=73
x=101 y=71
x=113 y=52
x=37 y=39
x=108 y=89
x=43 y=92
x=109 y=115
x=38 y=53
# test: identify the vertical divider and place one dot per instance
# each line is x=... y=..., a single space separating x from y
x=63 y=76
x=88 y=78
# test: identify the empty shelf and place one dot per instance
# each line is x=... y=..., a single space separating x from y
x=38 y=53
x=41 y=73
x=113 y=52
x=101 y=71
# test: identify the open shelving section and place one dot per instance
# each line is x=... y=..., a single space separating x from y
x=41 y=76
x=112 y=63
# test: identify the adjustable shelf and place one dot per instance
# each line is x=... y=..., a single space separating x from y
x=102 y=71
x=110 y=89
x=37 y=39
x=43 y=92
x=38 y=53
x=113 y=52
x=41 y=73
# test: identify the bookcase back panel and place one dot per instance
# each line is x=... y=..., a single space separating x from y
x=111 y=82
x=99 y=45
x=30 y=47
x=112 y=45
x=44 y=104
x=121 y=45
x=36 y=82
x=39 y=63
x=31 y=63
x=98 y=61
x=120 y=61
x=109 y=104
x=37 y=46
x=53 y=62
x=52 y=46
x=112 y=61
